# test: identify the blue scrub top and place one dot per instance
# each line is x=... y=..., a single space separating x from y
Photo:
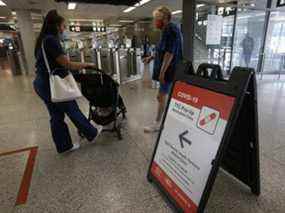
x=170 y=41
x=53 y=49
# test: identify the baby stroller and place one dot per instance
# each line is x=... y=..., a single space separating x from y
x=105 y=103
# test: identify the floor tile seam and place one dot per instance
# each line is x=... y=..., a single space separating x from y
x=5 y=124
x=138 y=147
x=278 y=148
x=273 y=159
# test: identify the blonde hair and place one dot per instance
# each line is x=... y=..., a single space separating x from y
x=164 y=11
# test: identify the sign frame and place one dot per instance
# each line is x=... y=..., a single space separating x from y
x=280 y=4
x=236 y=87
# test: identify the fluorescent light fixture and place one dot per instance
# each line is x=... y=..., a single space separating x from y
x=71 y=6
x=176 y=12
x=115 y=25
x=200 y=5
x=126 y=21
x=129 y=9
x=2 y=4
x=2 y=17
x=140 y=3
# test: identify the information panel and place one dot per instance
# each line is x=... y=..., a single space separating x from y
x=193 y=130
x=214 y=30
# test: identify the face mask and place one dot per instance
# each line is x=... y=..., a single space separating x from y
x=159 y=24
x=63 y=36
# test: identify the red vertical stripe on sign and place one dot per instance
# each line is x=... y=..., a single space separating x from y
x=27 y=177
x=174 y=191
x=199 y=97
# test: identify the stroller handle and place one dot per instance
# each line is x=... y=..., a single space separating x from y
x=94 y=69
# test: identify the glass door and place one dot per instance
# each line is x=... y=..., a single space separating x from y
x=274 y=52
x=213 y=42
x=248 y=38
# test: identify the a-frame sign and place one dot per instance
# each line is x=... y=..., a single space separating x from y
x=208 y=124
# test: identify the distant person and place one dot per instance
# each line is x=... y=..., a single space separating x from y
x=134 y=42
x=168 y=54
x=247 y=49
x=146 y=47
x=52 y=29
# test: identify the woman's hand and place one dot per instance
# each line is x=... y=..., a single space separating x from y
x=147 y=60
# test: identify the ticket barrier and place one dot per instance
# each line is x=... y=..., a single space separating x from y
x=96 y=57
x=130 y=63
x=14 y=62
x=107 y=60
x=89 y=56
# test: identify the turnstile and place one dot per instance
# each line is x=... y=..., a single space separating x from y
x=14 y=62
x=131 y=67
x=107 y=61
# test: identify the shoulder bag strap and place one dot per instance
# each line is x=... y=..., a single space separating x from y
x=45 y=58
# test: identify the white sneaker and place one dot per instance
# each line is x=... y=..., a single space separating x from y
x=155 y=127
x=99 y=130
x=75 y=147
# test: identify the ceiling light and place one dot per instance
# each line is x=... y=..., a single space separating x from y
x=71 y=6
x=129 y=9
x=83 y=19
x=2 y=3
x=142 y=2
x=115 y=25
x=126 y=21
x=13 y=13
x=200 y=5
x=176 y=12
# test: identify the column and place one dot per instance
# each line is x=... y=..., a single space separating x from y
x=188 y=20
x=28 y=38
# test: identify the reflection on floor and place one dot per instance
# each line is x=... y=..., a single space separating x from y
x=110 y=176
x=4 y=68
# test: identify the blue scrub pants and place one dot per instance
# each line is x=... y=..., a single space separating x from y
x=57 y=111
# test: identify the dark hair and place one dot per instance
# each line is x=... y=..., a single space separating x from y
x=50 y=26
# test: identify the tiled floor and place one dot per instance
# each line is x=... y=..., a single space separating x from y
x=111 y=175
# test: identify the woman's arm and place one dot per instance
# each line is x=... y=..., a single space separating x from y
x=65 y=62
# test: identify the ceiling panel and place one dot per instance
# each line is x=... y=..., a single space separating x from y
x=110 y=2
x=98 y=11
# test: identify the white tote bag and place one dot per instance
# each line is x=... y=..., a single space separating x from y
x=61 y=89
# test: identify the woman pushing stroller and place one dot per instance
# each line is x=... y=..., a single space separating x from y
x=49 y=39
